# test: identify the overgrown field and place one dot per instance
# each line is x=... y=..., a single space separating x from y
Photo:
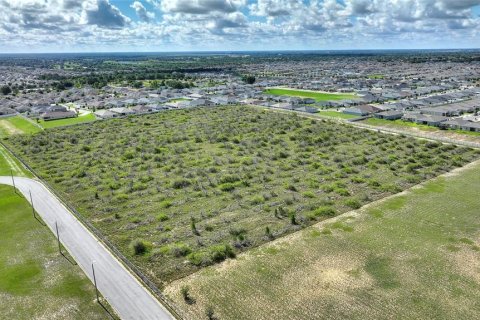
x=414 y=256
x=318 y=96
x=36 y=282
x=179 y=190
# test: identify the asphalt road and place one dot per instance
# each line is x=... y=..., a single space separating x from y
x=121 y=289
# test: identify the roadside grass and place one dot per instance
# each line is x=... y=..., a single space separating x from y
x=67 y=122
x=16 y=125
x=36 y=282
x=418 y=259
x=318 y=96
x=179 y=190
x=9 y=165
x=336 y=114
x=407 y=124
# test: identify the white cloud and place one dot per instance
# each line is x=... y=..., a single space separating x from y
x=141 y=12
x=234 y=24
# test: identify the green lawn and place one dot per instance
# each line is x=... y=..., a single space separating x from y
x=414 y=256
x=36 y=282
x=67 y=122
x=17 y=125
x=318 y=96
x=336 y=114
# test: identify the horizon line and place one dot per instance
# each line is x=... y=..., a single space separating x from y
x=239 y=51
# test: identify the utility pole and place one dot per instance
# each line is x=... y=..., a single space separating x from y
x=13 y=181
x=31 y=202
x=95 y=282
x=58 y=239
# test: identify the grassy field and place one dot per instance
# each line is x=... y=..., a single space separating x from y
x=336 y=114
x=9 y=165
x=90 y=117
x=36 y=282
x=318 y=96
x=413 y=256
x=176 y=191
x=16 y=125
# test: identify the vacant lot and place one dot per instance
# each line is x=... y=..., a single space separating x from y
x=179 y=190
x=319 y=96
x=36 y=282
x=16 y=125
x=414 y=256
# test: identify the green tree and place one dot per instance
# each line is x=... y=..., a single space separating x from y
x=6 y=90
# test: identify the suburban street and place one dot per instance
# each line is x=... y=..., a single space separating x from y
x=128 y=297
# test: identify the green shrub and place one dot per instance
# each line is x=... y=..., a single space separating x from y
x=180 y=249
x=180 y=183
x=139 y=246
x=162 y=217
x=199 y=258
x=353 y=203
x=324 y=212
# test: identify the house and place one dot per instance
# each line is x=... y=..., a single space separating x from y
x=122 y=111
x=105 y=114
x=6 y=111
x=424 y=119
x=389 y=115
x=307 y=109
x=143 y=109
x=461 y=124
x=55 y=115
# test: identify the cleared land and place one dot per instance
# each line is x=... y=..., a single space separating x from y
x=413 y=256
x=36 y=282
x=318 y=96
x=460 y=135
x=67 y=122
x=180 y=190
x=16 y=125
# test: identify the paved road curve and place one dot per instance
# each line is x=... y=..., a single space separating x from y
x=121 y=289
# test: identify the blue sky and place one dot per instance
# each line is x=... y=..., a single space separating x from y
x=203 y=25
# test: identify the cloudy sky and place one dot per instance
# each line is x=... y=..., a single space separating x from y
x=201 y=25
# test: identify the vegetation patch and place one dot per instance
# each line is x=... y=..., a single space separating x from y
x=222 y=180
x=35 y=279
x=384 y=269
x=318 y=96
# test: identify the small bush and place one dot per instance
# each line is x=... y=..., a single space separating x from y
x=353 y=203
x=324 y=212
x=139 y=246
x=162 y=217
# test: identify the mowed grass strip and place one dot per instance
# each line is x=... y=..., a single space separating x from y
x=16 y=125
x=179 y=190
x=413 y=256
x=318 y=96
x=9 y=165
x=36 y=282
x=90 y=117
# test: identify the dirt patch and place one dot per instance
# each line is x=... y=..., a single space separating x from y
x=9 y=128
